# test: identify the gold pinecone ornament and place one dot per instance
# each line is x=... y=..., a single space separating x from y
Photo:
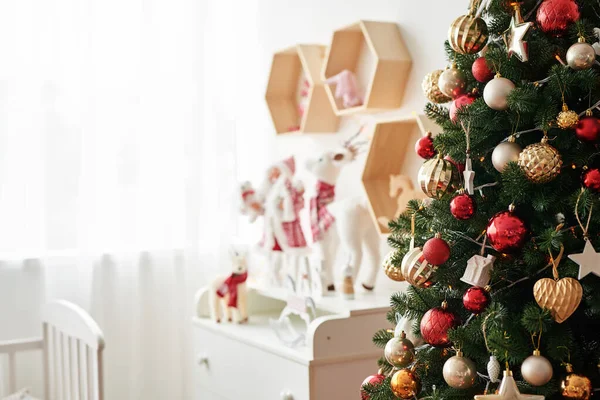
x=540 y=162
x=567 y=119
x=431 y=88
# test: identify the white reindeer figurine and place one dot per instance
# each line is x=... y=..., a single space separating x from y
x=230 y=292
x=347 y=220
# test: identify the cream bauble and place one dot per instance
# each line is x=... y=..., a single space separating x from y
x=459 y=372
x=504 y=153
x=581 y=55
x=495 y=93
x=399 y=351
x=536 y=369
x=453 y=82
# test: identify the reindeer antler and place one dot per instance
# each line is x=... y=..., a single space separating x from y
x=353 y=146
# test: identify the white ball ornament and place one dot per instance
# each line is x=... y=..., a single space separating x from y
x=459 y=372
x=581 y=55
x=495 y=93
x=536 y=369
x=504 y=153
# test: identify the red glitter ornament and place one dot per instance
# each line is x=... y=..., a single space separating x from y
x=459 y=166
x=424 y=147
x=476 y=300
x=555 y=16
x=591 y=179
x=588 y=129
x=462 y=101
x=436 y=250
x=463 y=206
x=506 y=232
x=481 y=70
x=373 y=380
x=435 y=325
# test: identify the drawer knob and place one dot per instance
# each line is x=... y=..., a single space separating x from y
x=203 y=359
x=286 y=395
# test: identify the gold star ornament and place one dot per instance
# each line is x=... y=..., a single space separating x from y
x=514 y=35
x=589 y=261
x=508 y=391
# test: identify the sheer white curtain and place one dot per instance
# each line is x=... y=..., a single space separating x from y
x=117 y=173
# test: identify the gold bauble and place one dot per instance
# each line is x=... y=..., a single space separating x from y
x=540 y=162
x=468 y=34
x=416 y=270
x=567 y=119
x=437 y=176
x=576 y=386
x=393 y=272
x=405 y=384
x=561 y=297
x=432 y=89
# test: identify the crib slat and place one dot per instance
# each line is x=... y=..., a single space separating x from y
x=91 y=370
x=83 y=374
x=66 y=366
x=58 y=377
x=47 y=343
x=74 y=344
x=12 y=372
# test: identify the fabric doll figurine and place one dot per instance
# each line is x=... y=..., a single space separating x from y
x=346 y=88
x=251 y=205
x=229 y=292
x=283 y=200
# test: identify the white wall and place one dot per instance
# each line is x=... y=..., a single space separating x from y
x=278 y=24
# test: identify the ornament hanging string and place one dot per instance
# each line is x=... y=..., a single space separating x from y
x=539 y=340
x=555 y=262
x=587 y=224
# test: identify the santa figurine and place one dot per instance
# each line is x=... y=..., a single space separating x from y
x=283 y=198
x=250 y=203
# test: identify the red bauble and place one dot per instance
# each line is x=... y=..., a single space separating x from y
x=555 y=16
x=481 y=70
x=435 y=325
x=463 y=206
x=424 y=147
x=476 y=299
x=506 y=232
x=588 y=129
x=462 y=101
x=373 y=380
x=459 y=166
x=436 y=251
x=591 y=179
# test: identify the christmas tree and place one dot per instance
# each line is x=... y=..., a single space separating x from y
x=502 y=262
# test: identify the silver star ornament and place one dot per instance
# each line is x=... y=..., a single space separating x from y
x=513 y=37
x=589 y=261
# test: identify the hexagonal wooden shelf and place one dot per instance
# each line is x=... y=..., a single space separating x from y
x=375 y=52
x=296 y=94
x=390 y=174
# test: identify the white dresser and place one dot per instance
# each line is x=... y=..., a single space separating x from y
x=249 y=362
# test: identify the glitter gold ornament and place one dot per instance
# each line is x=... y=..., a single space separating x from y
x=393 y=272
x=567 y=119
x=468 y=34
x=432 y=90
x=574 y=386
x=405 y=384
x=540 y=162
x=436 y=177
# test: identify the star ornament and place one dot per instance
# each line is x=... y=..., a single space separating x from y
x=508 y=391
x=513 y=37
x=589 y=261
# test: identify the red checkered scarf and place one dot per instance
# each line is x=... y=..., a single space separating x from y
x=230 y=286
x=320 y=218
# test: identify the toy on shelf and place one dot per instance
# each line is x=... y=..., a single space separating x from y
x=251 y=205
x=346 y=88
x=403 y=190
x=348 y=220
x=229 y=292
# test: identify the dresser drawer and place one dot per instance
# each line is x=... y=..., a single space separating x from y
x=237 y=370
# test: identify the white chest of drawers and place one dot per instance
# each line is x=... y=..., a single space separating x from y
x=249 y=362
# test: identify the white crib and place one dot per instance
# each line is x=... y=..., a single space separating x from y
x=71 y=346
